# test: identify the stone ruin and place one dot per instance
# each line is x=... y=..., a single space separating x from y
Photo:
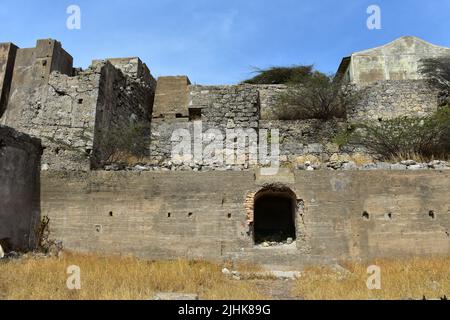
x=78 y=114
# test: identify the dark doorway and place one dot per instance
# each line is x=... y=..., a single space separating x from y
x=274 y=217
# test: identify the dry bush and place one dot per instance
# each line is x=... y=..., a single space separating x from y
x=321 y=97
x=281 y=75
x=124 y=144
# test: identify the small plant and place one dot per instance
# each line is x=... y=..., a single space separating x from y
x=343 y=137
x=45 y=243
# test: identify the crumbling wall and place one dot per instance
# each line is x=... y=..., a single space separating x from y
x=123 y=109
x=64 y=118
x=32 y=69
x=76 y=112
x=19 y=189
x=390 y=99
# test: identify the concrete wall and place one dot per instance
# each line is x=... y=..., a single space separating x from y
x=207 y=215
x=172 y=97
x=31 y=73
x=19 y=189
x=398 y=60
x=7 y=58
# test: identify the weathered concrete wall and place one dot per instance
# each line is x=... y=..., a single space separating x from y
x=65 y=118
x=206 y=215
x=398 y=60
x=390 y=99
x=31 y=73
x=172 y=97
x=19 y=189
x=7 y=57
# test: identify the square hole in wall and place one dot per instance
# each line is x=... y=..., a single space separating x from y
x=195 y=114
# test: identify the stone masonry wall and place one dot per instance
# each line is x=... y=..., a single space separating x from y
x=219 y=107
x=394 y=98
x=312 y=138
x=19 y=189
x=227 y=107
x=268 y=100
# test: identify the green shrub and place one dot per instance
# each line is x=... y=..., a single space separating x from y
x=320 y=97
x=428 y=137
x=125 y=144
x=281 y=75
x=437 y=70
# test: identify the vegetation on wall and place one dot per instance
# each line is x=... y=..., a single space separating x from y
x=403 y=137
x=282 y=75
x=320 y=97
x=125 y=144
x=310 y=94
x=437 y=71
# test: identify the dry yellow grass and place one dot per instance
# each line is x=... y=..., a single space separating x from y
x=414 y=278
x=117 y=278
x=131 y=278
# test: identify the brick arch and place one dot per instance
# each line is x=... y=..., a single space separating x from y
x=267 y=190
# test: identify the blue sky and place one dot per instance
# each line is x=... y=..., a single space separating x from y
x=219 y=42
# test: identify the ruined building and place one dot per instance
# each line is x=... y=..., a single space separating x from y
x=155 y=207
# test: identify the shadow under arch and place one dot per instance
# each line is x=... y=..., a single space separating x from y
x=274 y=215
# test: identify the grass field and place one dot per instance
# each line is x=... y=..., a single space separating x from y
x=400 y=279
x=131 y=278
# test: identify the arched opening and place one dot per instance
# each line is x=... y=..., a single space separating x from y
x=274 y=216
